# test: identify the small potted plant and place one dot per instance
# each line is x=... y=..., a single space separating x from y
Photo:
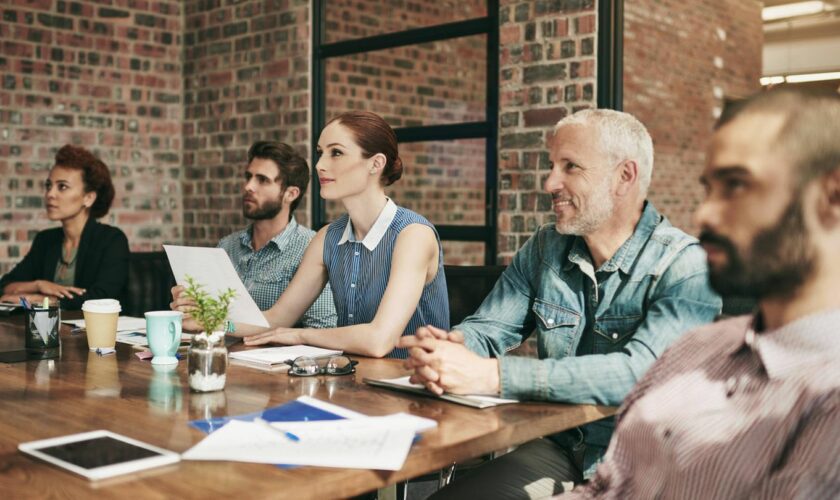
x=208 y=354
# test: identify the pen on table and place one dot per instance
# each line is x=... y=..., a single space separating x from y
x=288 y=435
x=102 y=351
x=25 y=303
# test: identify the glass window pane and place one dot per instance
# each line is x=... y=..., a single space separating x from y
x=463 y=253
x=428 y=84
x=443 y=181
x=349 y=19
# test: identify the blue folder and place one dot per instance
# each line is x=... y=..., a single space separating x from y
x=293 y=411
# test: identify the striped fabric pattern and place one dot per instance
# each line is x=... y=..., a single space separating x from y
x=731 y=413
x=267 y=273
x=358 y=277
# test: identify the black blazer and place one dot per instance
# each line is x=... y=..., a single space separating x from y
x=101 y=262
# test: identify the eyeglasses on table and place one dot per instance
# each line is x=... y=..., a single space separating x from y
x=305 y=366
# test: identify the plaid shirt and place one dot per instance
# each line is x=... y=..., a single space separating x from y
x=268 y=272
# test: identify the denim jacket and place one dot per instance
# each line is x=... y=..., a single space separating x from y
x=626 y=313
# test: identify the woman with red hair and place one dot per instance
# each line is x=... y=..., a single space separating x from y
x=82 y=259
x=383 y=262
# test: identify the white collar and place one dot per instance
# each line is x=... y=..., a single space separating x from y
x=377 y=231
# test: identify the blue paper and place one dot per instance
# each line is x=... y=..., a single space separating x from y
x=293 y=411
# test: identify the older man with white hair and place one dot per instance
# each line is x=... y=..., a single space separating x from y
x=605 y=289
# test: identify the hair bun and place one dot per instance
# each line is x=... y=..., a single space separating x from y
x=395 y=172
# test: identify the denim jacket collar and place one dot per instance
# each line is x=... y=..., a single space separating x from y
x=627 y=252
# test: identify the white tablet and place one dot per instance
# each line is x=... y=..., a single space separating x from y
x=99 y=454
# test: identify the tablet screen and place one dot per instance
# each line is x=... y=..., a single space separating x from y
x=97 y=452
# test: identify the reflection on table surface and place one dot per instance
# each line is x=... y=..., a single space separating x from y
x=82 y=391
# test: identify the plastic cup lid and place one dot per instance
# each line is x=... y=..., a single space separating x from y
x=102 y=306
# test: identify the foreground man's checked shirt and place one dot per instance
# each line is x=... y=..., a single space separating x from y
x=750 y=407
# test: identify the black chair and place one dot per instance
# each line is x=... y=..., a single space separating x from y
x=736 y=306
x=150 y=282
x=467 y=287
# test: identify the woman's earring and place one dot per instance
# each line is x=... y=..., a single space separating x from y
x=373 y=171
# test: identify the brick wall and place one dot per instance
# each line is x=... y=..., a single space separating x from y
x=426 y=84
x=104 y=76
x=246 y=78
x=547 y=64
x=681 y=60
x=174 y=133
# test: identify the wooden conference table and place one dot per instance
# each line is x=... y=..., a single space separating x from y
x=82 y=391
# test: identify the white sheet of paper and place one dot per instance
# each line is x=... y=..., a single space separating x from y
x=403 y=381
x=271 y=355
x=380 y=443
x=124 y=324
x=44 y=324
x=139 y=338
x=212 y=268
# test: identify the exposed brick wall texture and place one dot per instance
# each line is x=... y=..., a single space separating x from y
x=106 y=76
x=547 y=64
x=681 y=60
x=246 y=78
x=426 y=84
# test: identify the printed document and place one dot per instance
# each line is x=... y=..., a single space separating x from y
x=212 y=268
x=380 y=443
x=124 y=324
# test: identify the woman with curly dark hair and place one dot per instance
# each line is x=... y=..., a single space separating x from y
x=82 y=259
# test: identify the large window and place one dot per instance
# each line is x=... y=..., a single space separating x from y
x=430 y=68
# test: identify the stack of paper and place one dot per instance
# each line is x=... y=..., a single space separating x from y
x=274 y=358
x=124 y=324
x=359 y=443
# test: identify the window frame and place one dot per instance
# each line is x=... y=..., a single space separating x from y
x=487 y=129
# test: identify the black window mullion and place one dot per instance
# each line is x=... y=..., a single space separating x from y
x=319 y=92
x=478 y=26
x=469 y=130
x=491 y=115
x=487 y=129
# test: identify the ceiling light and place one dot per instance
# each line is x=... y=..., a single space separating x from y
x=805 y=77
x=812 y=77
x=792 y=10
x=772 y=80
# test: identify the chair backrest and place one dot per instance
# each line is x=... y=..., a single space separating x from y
x=467 y=287
x=734 y=305
x=150 y=282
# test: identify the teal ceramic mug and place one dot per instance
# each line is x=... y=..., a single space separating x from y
x=163 y=331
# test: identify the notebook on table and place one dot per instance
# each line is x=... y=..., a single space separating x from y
x=274 y=358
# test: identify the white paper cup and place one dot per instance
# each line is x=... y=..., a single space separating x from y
x=101 y=317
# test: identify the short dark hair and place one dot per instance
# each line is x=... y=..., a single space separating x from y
x=95 y=176
x=293 y=168
x=374 y=135
x=809 y=135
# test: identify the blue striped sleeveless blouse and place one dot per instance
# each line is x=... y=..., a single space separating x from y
x=358 y=277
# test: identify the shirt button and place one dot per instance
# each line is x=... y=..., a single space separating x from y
x=550 y=321
x=352 y=285
x=731 y=385
x=614 y=335
x=356 y=253
x=349 y=315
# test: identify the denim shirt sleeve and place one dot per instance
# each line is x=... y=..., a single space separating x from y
x=680 y=301
x=504 y=320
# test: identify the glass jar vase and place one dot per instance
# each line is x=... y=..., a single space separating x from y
x=208 y=360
